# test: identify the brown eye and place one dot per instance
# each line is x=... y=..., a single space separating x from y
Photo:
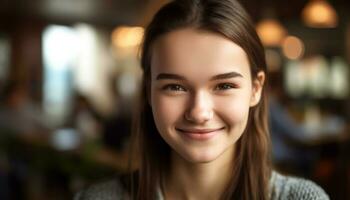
x=225 y=86
x=174 y=87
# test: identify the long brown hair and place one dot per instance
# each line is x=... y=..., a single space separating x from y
x=252 y=163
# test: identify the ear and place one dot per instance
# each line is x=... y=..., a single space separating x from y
x=258 y=84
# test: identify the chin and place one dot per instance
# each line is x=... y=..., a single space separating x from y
x=200 y=157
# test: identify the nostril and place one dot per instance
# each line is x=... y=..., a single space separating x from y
x=199 y=116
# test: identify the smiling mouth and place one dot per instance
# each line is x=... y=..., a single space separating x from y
x=199 y=131
x=200 y=134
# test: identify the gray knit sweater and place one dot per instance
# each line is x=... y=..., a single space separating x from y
x=281 y=187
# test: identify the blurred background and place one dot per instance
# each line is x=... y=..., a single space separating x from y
x=69 y=73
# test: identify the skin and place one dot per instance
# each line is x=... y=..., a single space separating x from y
x=201 y=93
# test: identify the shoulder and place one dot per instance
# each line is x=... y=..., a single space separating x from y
x=108 y=190
x=293 y=188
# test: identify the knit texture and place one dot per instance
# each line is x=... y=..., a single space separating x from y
x=292 y=188
x=281 y=188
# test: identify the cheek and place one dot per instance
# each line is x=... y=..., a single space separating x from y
x=166 y=110
x=234 y=109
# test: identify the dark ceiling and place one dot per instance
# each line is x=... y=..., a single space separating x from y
x=105 y=12
x=133 y=12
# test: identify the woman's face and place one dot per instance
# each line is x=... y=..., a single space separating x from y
x=201 y=92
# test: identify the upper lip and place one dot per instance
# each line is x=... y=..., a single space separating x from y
x=198 y=130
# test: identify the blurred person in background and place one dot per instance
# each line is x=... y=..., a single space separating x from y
x=201 y=131
x=18 y=114
x=287 y=136
x=85 y=118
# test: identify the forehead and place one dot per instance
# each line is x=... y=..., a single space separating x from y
x=185 y=49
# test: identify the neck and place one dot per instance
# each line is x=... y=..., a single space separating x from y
x=198 y=180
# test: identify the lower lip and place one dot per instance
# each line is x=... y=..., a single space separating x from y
x=201 y=136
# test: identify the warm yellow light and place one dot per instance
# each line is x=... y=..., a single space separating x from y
x=271 y=32
x=320 y=14
x=293 y=48
x=127 y=36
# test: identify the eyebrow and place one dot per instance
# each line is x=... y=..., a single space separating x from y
x=228 y=75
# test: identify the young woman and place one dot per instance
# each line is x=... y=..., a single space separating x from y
x=201 y=129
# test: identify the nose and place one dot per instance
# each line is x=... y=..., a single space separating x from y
x=200 y=109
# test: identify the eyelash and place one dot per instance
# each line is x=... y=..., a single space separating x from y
x=221 y=86
x=225 y=86
x=174 y=87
